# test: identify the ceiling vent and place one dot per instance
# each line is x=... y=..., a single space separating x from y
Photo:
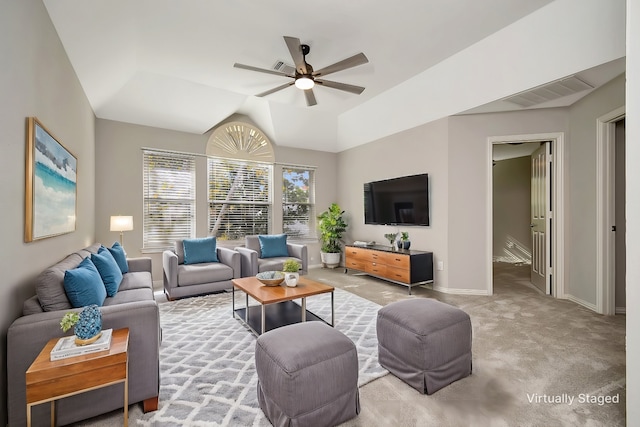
x=549 y=92
x=284 y=68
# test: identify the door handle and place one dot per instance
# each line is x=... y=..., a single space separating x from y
x=532 y=225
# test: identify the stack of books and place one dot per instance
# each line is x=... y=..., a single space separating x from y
x=66 y=346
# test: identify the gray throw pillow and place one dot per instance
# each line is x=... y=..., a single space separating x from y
x=50 y=284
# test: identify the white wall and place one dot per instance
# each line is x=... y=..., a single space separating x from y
x=36 y=79
x=633 y=211
x=512 y=210
x=119 y=180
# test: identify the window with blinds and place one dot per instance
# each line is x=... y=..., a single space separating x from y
x=169 y=181
x=239 y=198
x=298 y=202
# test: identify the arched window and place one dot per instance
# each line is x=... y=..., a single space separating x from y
x=240 y=170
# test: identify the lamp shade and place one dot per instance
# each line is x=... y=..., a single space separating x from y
x=121 y=223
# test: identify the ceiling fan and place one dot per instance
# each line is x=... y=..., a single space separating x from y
x=305 y=77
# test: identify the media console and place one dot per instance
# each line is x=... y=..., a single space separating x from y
x=401 y=266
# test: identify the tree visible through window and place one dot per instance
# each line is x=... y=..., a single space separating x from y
x=239 y=198
x=298 y=202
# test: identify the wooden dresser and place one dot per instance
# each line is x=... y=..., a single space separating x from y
x=404 y=267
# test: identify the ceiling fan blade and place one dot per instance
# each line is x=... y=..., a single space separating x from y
x=275 y=89
x=310 y=97
x=350 y=62
x=341 y=86
x=260 y=70
x=293 y=43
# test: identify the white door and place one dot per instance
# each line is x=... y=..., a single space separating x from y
x=541 y=218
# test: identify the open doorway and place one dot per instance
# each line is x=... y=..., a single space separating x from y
x=521 y=223
x=525 y=185
x=610 y=221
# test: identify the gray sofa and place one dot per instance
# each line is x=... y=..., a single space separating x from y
x=253 y=263
x=133 y=307
x=186 y=280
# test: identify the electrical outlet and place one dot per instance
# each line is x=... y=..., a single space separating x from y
x=440 y=265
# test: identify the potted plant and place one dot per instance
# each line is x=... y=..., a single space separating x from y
x=405 y=243
x=391 y=237
x=290 y=269
x=331 y=225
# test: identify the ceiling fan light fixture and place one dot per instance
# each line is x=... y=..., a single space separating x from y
x=304 y=83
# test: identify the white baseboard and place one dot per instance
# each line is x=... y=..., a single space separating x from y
x=310 y=266
x=621 y=310
x=479 y=292
x=581 y=302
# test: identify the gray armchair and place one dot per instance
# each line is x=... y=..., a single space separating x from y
x=184 y=280
x=253 y=263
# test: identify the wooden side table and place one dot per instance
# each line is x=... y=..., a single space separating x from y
x=48 y=381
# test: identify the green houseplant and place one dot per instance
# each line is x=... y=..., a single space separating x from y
x=290 y=269
x=404 y=240
x=290 y=266
x=332 y=226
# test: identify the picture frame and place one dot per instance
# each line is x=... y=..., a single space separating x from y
x=50 y=185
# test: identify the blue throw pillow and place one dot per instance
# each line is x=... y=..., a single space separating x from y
x=108 y=269
x=121 y=258
x=273 y=245
x=200 y=250
x=83 y=285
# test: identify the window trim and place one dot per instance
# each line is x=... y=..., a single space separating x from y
x=311 y=236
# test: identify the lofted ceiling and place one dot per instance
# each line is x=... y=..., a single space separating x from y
x=169 y=63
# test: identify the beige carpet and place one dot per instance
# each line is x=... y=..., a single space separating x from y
x=525 y=346
x=535 y=360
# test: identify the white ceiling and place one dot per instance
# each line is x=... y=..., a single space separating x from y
x=169 y=64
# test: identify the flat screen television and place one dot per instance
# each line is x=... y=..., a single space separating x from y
x=397 y=201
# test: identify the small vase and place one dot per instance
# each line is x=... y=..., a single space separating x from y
x=406 y=244
x=89 y=326
x=291 y=279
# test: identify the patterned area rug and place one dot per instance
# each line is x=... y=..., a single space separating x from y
x=207 y=367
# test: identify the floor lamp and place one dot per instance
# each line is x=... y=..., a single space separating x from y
x=121 y=224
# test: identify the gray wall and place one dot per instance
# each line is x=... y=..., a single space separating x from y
x=581 y=188
x=419 y=150
x=119 y=181
x=456 y=153
x=469 y=176
x=512 y=210
x=36 y=79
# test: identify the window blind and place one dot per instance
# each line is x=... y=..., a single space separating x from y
x=298 y=202
x=239 y=198
x=169 y=181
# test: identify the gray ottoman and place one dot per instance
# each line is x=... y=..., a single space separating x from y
x=307 y=375
x=425 y=343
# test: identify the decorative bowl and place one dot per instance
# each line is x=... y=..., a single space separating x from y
x=270 y=278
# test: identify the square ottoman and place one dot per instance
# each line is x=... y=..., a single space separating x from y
x=424 y=342
x=307 y=375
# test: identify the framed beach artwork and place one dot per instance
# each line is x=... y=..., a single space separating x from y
x=50 y=185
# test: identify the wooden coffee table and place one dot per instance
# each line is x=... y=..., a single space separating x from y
x=276 y=307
